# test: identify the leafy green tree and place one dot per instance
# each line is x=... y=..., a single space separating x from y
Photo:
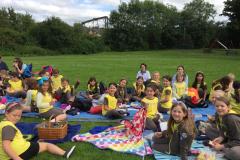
x=140 y=25
x=198 y=22
x=53 y=34
x=232 y=11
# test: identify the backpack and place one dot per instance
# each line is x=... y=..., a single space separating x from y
x=49 y=69
x=102 y=87
x=27 y=73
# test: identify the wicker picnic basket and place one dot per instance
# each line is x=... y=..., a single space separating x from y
x=52 y=130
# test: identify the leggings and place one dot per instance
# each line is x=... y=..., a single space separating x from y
x=232 y=153
x=115 y=114
x=18 y=94
x=152 y=124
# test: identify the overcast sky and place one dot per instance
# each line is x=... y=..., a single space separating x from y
x=72 y=11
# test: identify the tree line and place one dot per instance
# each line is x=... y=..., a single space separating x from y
x=137 y=25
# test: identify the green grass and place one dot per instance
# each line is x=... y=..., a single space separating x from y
x=112 y=66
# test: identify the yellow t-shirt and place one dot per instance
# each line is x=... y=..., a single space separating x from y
x=67 y=89
x=15 y=86
x=18 y=144
x=46 y=99
x=34 y=95
x=167 y=104
x=139 y=89
x=152 y=106
x=235 y=106
x=174 y=127
x=156 y=82
x=112 y=103
x=90 y=88
x=56 y=82
x=180 y=88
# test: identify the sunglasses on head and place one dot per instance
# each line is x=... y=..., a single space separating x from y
x=180 y=103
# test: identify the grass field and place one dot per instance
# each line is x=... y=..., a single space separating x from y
x=112 y=66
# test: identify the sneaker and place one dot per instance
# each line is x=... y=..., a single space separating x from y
x=67 y=108
x=69 y=152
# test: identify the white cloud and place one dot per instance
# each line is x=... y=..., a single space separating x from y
x=218 y=5
x=73 y=11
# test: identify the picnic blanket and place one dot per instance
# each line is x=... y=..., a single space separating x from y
x=124 y=138
x=85 y=116
x=30 y=128
x=115 y=138
x=197 y=145
x=200 y=113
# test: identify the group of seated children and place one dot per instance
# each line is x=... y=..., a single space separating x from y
x=171 y=96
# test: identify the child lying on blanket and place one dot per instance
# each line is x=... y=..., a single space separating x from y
x=14 y=146
x=110 y=106
x=178 y=137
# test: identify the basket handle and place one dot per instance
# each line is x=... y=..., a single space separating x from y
x=49 y=122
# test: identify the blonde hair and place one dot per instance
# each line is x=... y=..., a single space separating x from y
x=231 y=76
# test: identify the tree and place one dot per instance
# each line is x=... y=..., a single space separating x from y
x=232 y=11
x=53 y=34
x=197 y=22
x=139 y=25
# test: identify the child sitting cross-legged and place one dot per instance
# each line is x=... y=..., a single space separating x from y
x=229 y=139
x=150 y=102
x=45 y=103
x=110 y=106
x=138 y=89
x=14 y=146
x=178 y=137
x=65 y=91
x=180 y=88
x=56 y=80
x=15 y=86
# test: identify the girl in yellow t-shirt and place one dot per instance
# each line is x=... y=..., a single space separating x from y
x=93 y=90
x=138 y=89
x=45 y=103
x=56 y=80
x=151 y=104
x=12 y=143
x=166 y=98
x=31 y=99
x=15 y=86
x=110 y=106
x=235 y=98
x=180 y=88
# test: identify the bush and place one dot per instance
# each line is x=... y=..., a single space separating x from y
x=9 y=38
x=34 y=50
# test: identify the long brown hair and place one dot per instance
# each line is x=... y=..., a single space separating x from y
x=187 y=122
x=49 y=88
x=19 y=62
x=223 y=83
x=236 y=95
x=194 y=85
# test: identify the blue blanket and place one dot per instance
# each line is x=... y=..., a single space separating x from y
x=200 y=113
x=84 y=116
x=197 y=145
x=98 y=129
x=30 y=128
